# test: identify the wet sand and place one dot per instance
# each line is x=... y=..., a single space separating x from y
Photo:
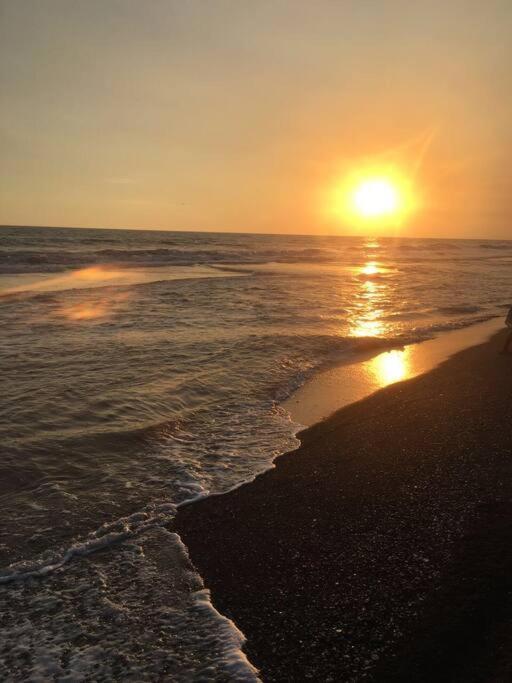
x=381 y=549
x=359 y=377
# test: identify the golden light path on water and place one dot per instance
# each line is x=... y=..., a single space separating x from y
x=366 y=319
x=390 y=366
x=374 y=313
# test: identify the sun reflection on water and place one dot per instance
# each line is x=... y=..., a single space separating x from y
x=85 y=311
x=366 y=320
x=95 y=307
x=368 y=325
x=370 y=268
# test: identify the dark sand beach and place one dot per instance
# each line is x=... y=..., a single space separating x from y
x=381 y=549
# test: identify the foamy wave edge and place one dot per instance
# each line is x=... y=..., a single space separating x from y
x=161 y=514
x=108 y=534
x=234 y=660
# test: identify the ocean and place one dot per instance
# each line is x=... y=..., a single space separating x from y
x=143 y=369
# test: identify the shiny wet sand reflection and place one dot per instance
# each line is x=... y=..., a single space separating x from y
x=358 y=377
x=391 y=366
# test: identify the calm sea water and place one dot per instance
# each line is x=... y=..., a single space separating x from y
x=142 y=369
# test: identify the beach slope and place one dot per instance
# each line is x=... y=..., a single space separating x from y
x=381 y=549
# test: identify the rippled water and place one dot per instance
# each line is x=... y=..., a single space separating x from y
x=141 y=369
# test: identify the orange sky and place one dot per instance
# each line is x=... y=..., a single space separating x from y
x=242 y=116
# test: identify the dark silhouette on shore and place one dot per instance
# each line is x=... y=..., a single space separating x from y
x=508 y=340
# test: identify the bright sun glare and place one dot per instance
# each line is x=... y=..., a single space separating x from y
x=376 y=197
x=373 y=197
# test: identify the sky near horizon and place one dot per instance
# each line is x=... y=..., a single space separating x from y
x=243 y=115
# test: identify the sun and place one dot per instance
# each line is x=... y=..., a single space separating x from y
x=376 y=197
x=372 y=197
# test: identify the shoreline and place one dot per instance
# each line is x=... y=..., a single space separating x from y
x=361 y=375
x=338 y=590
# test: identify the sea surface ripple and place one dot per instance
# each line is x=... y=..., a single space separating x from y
x=125 y=395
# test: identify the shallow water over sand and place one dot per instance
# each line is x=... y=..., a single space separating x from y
x=360 y=375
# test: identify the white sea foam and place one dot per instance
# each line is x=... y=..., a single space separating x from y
x=138 y=613
x=108 y=534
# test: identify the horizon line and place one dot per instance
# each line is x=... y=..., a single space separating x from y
x=247 y=232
